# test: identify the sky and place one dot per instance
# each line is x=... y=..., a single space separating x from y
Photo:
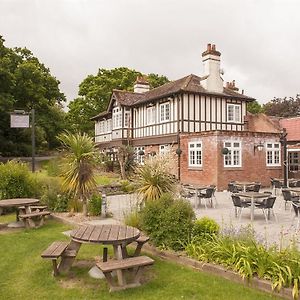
x=259 y=40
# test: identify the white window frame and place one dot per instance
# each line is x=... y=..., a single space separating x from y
x=162 y=112
x=164 y=149
x=195 y=154
x=236 y=113
x=126 y=118
x=140 y=159
x=229 y=159
x=151 y=115
x=117 y=117
x=272 y=153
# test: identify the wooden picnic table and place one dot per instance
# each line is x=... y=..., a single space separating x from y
x=17 y=202
x=119 y=236
x=252 y=196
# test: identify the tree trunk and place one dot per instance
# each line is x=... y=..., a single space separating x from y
x=84 y=207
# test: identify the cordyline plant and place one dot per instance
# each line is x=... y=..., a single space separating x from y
x=79 y=166
x=155 y=177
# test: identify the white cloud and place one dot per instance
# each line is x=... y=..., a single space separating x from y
x=258 y=39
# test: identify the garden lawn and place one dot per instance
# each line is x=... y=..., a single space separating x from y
x=25 y=275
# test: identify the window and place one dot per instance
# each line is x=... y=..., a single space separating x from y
x=151 y=114
x=164 y=112
x=195 y=154
x=139 y=158
x=234 y=156
x=117 y=118
x=294 y=161
x=164 y=149
x=126 y=118
x=273 y=154
x=234 y=113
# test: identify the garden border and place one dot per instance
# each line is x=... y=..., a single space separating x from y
x=218 y=270
x=256 y=283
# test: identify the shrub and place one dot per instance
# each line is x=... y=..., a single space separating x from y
x=155 y=177
x=127 y=186
x=53 y=167
x=52 y=194
x=16 y=181
x=94 y=205
x=133 y=218
x=168 y=222
x=205 y=227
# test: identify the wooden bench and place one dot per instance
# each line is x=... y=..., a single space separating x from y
x=33 y=208
x=136 y=263
x=140 y=241
x=56 y=250
x=34 y=219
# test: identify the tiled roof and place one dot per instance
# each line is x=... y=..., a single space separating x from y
x=262 y=123
x=292 y=126
x=190 y=83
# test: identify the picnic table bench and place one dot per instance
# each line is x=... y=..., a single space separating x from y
x=56 y=250
x=136 y=263
x=34 y=219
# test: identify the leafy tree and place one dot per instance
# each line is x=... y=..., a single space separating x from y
x=254 y=107
x=96 y=90
x=25 y=83
x=283 y=107
x=79 y=166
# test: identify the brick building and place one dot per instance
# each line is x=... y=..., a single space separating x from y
x=292 y=128
x=196 y=117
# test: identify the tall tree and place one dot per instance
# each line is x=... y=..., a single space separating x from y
x=254 y=107
x=25 y=83
x=283 y=107
x=96 y=90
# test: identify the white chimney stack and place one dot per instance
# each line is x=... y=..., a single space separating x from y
x=211 y=61
x=141 y=85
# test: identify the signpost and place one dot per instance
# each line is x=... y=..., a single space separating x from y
x=20 y=119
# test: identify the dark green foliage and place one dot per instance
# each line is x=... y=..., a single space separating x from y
x=94 y=205
x=205 y=227
x=254 y=107
x=16 y=181
x=95 y=92
x=168 y=221
x=25 y=83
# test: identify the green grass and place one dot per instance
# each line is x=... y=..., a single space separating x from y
x=107 y=179
x=24 y=275
x=8 y=218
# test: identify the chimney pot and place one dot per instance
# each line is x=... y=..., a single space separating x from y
x=208 y=47
x=214 y=47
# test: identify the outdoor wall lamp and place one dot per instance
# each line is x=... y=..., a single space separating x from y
x=178 y=151
x=225 y=151
x=258 y=147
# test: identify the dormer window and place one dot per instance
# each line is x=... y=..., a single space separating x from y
x=164 y=112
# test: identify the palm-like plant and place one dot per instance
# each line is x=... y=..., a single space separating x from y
x=79 y=166
x=155 y=178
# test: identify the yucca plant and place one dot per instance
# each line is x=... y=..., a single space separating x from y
x=155 y=178
x=79 y=166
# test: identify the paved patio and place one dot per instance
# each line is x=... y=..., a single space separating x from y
x=281 y=232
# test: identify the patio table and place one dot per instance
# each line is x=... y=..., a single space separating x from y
x=245 y=184
x=196 y=189
x=252 y=196
x=119 y=236
x=17 y=202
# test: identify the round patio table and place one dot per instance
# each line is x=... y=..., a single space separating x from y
x=116 y=235
x=252 y=196
x=18 y=202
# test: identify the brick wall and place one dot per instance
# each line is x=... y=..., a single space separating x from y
x=213 y=171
